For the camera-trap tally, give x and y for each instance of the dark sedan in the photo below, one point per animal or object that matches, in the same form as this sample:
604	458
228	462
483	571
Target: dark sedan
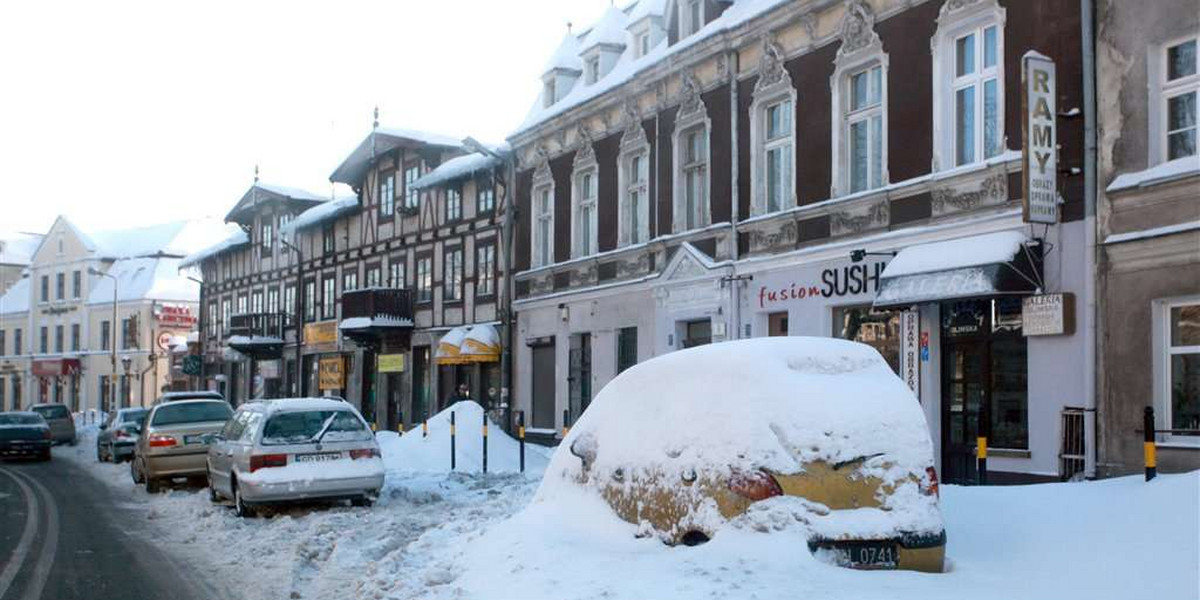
25	434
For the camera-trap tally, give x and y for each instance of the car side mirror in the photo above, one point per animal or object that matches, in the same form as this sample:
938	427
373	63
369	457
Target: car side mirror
584	447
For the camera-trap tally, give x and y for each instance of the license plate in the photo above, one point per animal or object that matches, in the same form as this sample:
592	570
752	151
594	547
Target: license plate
869	555
321	457
189	440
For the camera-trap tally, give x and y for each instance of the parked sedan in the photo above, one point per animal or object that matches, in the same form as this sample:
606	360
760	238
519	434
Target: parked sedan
293	450
62	424
174	441
119	434
24	434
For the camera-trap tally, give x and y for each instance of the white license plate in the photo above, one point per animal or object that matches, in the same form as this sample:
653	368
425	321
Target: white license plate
188	440
322	457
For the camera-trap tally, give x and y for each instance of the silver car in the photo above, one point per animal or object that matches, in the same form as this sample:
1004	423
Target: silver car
62	424
119	434
174	441
293	450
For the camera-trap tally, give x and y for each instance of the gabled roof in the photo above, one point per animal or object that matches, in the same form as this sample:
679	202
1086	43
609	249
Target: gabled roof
609	31
178	238
236	239
384	139
263	193
18	248
459	168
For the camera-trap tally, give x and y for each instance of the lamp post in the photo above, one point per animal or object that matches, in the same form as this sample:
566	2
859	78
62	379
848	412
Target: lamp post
299	314
506	236
112	380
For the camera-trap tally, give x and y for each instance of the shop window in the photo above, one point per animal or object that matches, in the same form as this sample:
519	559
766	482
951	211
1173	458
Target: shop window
777	324
879	329
696	333
627	351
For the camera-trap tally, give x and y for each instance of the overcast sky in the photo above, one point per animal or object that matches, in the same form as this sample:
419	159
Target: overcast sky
122	113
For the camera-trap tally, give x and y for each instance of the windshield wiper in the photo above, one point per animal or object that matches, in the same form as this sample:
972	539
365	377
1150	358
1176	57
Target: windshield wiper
324	429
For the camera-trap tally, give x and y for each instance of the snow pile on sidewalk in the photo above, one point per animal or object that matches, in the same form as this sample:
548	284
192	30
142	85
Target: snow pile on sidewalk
415	452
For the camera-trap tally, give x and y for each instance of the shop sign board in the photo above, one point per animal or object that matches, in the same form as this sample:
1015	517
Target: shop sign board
1039	171
321	333
910	350
174	315
391	363
331	373
1048	314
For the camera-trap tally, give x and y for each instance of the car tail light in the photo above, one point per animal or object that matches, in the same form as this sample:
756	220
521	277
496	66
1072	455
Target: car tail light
364	453
121	433
263	461
930	484
758	485
46	435
162	441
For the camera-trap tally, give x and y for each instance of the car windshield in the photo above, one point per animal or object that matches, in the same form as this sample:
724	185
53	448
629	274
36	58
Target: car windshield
52	412
307	426
12	419
191	412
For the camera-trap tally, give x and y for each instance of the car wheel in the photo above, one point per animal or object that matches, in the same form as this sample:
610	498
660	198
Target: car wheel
153	486
100	453
134	472
240	508
362	502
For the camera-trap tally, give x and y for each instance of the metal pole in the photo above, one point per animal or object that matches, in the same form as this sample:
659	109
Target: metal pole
1149	448
566	426
521	436
112	384
981	458
452	432
485	436
1092	334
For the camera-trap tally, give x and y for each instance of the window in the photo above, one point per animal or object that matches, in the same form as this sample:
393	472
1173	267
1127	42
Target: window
412	196
585	213
692	208
327	239
289	303
1179	370
864	129
548	92
211	325
485	270
284	219
593	69
543	232
45	288
485	197
76	285
425	279
387	194
879	329
396	273
129	333
453	277
635	215
1180	90
627	351
268	238
777	155
643	44
256	303
691	18
272	300
60	286
349	281
310	300
453	204
374	276
44	341
226	312
3	351
58	338
969	84
328	298
75	337
18	347
243	304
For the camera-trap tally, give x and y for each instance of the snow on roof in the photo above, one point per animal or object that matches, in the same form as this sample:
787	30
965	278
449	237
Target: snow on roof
291	192
798	400
321	213
303	404
1145	234
145	279
236	239
740	11
1168	171
385	139
178	238
610	30
456	168
16	299
566	56
972	251
18	248
647	8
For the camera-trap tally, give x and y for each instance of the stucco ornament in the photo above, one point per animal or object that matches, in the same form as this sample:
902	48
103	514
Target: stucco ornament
635	134
583	139
809	21
689	96
541	160
858	27
770	67
993	190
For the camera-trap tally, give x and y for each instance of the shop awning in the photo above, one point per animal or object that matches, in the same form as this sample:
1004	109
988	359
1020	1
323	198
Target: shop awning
469	344
995	264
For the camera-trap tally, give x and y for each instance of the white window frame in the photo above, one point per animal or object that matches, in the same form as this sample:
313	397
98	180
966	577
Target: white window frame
692	115
954	22
452	278
593	69
549	92
412	196
773	88
387	194
686	26
642	43
485	269
1161	92
543	215
584	234
634	144
846	66
1161	363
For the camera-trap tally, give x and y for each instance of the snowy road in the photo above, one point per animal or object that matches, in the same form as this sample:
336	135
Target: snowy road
62	538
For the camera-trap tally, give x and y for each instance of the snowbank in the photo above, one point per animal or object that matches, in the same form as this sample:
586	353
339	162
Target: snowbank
413	452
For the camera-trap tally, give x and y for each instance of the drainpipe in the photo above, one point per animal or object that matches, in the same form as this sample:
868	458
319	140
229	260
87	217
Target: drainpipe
735	286
506	329
1091	339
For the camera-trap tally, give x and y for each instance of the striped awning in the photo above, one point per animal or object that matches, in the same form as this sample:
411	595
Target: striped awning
469	344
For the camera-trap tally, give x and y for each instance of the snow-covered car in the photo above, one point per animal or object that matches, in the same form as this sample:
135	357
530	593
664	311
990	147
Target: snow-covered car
686	442
294	450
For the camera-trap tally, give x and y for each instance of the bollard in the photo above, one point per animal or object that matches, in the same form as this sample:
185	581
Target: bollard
521	436
485	442
374	427
425	428
1150	450
400	423
566	423
452	433
981	459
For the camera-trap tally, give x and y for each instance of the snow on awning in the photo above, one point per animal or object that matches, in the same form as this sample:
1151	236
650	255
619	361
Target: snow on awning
993	264
469	344
449	351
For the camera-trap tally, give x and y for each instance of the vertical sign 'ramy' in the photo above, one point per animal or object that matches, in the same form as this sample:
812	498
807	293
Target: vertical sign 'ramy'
1039	152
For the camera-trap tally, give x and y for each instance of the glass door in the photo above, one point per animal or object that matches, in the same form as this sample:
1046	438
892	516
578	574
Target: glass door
965	392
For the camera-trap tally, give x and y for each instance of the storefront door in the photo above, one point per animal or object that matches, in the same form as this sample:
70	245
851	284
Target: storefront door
964	398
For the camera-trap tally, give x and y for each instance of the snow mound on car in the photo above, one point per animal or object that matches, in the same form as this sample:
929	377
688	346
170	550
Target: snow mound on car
774	403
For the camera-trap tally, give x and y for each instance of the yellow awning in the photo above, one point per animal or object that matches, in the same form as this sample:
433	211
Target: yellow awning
481	344
448	350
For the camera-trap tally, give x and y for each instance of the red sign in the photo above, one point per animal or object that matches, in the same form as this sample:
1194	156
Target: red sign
54	367
174	315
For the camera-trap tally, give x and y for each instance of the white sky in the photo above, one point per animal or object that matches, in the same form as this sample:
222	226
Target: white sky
121	112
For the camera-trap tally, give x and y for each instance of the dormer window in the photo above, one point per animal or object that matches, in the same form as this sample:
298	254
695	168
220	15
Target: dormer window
691	17
548	92
593	69
643	44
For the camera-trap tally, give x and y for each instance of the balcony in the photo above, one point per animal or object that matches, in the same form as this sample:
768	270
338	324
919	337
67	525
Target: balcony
258	335
372	313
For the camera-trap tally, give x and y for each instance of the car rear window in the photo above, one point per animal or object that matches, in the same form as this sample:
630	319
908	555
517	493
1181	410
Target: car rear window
52	412
191	412
21	420
307	426
134	416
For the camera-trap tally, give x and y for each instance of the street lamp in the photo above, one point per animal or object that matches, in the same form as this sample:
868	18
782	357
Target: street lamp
112	381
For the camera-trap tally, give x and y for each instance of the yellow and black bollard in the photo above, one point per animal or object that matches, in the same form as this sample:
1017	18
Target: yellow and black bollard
1150	450
981	459
521	436
425	428
485	442
452	434
566	423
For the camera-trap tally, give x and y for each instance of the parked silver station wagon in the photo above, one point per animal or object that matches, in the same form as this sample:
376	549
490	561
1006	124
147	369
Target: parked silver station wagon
293	450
